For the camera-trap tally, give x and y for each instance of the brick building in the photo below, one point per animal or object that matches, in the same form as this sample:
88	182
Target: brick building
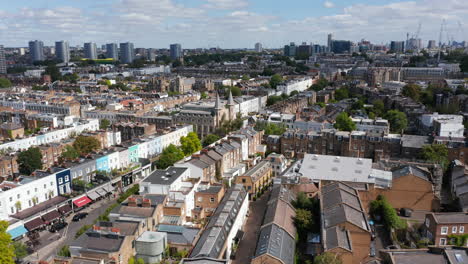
439	226
129	131
256	178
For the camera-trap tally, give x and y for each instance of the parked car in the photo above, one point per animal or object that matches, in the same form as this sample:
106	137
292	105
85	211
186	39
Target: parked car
79	216
58	226
406	212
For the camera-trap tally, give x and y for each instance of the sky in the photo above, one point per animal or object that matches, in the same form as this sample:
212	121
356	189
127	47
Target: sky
227	23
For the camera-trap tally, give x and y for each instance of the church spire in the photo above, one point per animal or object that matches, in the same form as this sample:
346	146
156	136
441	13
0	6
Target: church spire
218	104
230	100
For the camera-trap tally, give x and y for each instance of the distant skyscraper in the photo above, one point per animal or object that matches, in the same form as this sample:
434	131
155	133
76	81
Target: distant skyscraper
304	50
341	46
258	47
290	50
431	44
330	42
151	54
176	51
397	46
36	50
112	52
90	51
3	69
62	51
127	52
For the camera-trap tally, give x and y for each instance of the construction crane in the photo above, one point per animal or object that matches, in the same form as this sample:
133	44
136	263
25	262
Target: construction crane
440	39
418	31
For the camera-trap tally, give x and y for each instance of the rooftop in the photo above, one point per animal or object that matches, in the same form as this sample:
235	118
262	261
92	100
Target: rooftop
165	177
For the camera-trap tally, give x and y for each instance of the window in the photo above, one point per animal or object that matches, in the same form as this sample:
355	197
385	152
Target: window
28	192
211	200
11	199
443	241
60	180
427	222
35	189
444	230
51	183
66	178
461	230
454	229
243	181
45	186
18	196
200	199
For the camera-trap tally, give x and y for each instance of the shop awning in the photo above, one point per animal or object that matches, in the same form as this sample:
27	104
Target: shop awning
108	188
17	231
93	195
101	192
51	216
82	201
65	209
34	224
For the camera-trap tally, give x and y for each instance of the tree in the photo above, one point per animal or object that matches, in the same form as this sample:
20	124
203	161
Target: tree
236	91
71	77
69	153
378	107
53	71
190	143
412	91
464	64
342	93
86	144
293	93
210	139
7	250
140	261
275	80
104	124
203	95
64	251
5	83
398	121
327	258
21	250
436	153
344	122
30	160
303	220
270	128
320	84
169	156
273	99
302	202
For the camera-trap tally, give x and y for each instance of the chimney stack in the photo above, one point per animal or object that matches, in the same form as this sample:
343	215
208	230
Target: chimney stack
146	202
132	202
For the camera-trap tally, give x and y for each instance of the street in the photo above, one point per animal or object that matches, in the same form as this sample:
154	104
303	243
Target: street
247	245
51	243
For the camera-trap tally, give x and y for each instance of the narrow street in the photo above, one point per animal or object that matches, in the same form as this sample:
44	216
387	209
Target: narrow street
51	243
247	245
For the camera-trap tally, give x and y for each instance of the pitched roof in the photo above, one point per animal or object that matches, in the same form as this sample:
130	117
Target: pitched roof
451	218
276	242
336	237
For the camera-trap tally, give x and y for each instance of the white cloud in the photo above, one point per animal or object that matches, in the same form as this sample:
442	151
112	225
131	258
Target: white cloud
226	4
328	4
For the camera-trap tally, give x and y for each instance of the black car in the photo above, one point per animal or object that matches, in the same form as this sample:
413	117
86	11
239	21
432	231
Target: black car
79	216
57	227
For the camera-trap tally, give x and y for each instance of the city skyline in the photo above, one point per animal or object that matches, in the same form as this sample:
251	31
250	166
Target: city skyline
227	23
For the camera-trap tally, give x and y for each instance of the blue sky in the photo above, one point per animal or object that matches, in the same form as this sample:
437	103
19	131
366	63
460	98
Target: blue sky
227	23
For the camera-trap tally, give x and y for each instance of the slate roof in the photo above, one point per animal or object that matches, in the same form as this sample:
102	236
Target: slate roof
179	234
413	141
92	241
218	228
336	237
410	170
275	241
451	218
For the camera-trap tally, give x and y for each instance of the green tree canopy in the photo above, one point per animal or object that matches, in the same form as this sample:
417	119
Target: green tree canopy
190	143
21	250
7	250
378	107
273	99
320	84
86	144
464	64
169	156
210	139
437	153
104	124
30	160
303	220
53	71
236	91
4	83
69	153
382	207
398	121
327	258
270	128
412	91
342	93
344	122
275	80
